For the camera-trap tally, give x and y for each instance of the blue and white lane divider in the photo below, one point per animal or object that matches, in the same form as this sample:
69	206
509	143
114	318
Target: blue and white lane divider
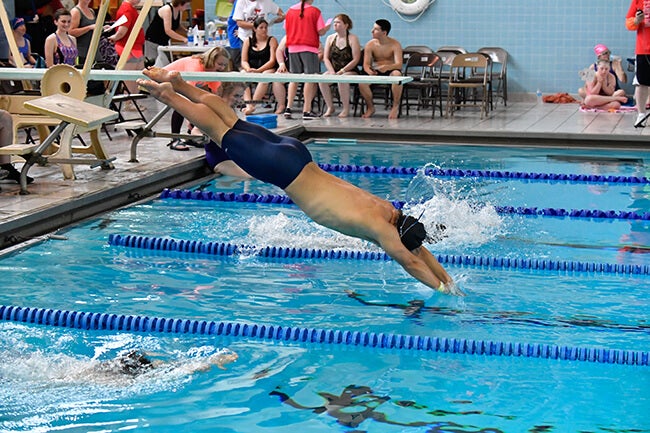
185	194
493	174
114	322
227	249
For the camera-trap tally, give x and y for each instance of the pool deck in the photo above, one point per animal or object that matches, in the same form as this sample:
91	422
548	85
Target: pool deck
54	201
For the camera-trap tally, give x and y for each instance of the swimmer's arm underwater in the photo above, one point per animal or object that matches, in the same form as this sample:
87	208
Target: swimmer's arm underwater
219	360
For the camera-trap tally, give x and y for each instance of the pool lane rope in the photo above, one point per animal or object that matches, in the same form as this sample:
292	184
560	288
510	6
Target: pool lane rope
227	249
186	194
493	174
114	322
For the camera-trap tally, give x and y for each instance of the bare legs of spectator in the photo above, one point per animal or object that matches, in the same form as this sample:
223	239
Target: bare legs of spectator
366	94
396	89
641	98
280	92
133	65
344	94
291	96
260	93
606	102
308	95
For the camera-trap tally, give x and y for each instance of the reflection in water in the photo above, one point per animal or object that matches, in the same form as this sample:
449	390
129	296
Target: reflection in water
356	404
414	309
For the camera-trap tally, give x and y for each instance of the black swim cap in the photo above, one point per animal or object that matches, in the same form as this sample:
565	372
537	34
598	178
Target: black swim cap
411	231
133	362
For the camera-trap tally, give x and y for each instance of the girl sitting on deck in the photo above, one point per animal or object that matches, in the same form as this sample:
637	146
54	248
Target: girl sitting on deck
601	91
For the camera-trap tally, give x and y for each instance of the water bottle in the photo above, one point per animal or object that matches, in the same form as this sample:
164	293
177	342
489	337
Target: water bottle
539	96
196	38
190	36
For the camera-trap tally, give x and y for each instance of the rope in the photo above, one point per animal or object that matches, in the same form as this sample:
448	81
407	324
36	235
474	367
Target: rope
114	322
507	210
454	172
226	249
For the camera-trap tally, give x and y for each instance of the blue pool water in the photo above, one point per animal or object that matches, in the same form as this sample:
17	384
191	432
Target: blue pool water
47	373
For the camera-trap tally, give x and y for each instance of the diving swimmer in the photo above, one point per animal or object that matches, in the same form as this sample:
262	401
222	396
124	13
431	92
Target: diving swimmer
286	162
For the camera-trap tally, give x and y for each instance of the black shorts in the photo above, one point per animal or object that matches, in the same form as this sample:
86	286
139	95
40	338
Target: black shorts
382	74
643	69
266	156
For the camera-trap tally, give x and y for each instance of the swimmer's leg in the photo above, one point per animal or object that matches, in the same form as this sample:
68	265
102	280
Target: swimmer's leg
199	114
194	94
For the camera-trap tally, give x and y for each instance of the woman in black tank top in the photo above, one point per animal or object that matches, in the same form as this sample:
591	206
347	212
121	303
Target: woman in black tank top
342	55
258	55
166	26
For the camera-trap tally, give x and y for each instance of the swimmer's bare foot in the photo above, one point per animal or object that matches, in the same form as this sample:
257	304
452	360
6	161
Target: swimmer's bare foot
344	113
250	109
394	113
369	113
161	75
280	110
329	112
161	91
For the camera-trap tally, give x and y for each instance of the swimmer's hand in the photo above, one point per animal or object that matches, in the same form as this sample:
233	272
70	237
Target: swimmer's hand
223	358
450	288
352	294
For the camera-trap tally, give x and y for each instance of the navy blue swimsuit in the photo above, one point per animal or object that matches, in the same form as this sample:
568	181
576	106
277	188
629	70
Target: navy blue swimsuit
259	152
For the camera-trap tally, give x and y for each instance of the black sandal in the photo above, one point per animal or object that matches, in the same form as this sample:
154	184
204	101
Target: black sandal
199	142
176	144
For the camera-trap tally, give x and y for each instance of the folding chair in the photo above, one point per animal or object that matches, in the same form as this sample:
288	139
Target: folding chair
425	89
469	83
499	58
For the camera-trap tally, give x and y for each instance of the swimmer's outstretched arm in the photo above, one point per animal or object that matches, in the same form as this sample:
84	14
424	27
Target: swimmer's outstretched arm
411	263
439	271
420	263
219	359
433	264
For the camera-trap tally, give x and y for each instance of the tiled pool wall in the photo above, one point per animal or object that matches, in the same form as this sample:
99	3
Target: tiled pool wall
549	41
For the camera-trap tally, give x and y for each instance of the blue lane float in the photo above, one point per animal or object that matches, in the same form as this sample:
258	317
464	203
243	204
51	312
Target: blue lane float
227	249
462	346
503	210
492	174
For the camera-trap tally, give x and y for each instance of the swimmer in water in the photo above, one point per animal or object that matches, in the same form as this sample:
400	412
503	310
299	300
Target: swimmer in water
286	162
134	363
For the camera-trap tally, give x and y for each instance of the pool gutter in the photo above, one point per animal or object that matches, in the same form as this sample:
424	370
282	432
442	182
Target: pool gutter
46	220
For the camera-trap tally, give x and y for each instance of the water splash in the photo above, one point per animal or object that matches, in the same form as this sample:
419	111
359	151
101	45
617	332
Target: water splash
297	231
469	222
453	203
